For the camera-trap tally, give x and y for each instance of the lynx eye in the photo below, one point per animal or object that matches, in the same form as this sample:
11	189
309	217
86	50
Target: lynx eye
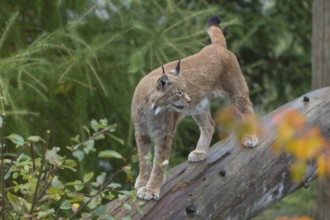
179	93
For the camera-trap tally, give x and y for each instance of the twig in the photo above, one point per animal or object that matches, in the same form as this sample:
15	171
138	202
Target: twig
46	185
11	163
21	212
10	215
103	131
3	164
40	173
109	180
32	155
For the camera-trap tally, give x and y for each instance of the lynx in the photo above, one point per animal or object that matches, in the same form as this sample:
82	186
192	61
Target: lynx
162	98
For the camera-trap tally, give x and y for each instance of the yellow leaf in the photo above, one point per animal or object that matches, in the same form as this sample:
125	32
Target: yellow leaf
297	147
298	170
295	119
285	133
226	117
75	207
321	166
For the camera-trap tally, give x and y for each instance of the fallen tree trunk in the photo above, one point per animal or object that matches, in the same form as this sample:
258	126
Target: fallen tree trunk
233	182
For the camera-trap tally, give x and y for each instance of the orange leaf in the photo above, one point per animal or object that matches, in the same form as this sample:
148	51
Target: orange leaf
321	166
226	117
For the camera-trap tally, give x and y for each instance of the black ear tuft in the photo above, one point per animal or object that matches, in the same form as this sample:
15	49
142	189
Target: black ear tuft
176	71
162	82
163	69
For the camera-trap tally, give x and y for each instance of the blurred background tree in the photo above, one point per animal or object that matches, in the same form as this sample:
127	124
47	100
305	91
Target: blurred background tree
321	78
63	63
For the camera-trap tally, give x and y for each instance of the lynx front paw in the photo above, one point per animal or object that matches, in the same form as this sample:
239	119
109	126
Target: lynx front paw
139	182
148	194
250	141
196	156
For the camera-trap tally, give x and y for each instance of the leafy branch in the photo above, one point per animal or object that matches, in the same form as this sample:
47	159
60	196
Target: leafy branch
31	181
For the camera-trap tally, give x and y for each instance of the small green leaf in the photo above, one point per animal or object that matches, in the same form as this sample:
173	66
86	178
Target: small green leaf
119	140
101	210
57	183
88	177
43	214
95	202
23	157
89	146
125	192
15	175
110	196
127	206
13	200
53	157
80	155
76	197
110	154
99	137
8	174
121	196
65	205
54	193
127	218
87	129
78	185
31	184
35	139
95	125
16	139
104	123
115	185
70	164
100	179
76	139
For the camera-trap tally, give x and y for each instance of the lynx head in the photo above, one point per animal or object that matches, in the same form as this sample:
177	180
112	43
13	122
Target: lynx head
170	92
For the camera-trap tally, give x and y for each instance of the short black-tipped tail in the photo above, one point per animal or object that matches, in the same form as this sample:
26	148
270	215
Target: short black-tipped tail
214	31
213	21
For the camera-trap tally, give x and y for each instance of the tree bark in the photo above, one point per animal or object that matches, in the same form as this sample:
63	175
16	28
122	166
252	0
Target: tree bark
321	44
233	182
321	78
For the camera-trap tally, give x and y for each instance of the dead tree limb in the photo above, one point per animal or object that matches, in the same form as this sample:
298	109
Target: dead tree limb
234	182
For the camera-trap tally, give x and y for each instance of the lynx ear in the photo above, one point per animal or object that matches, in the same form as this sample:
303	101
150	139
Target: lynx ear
176	71
162	82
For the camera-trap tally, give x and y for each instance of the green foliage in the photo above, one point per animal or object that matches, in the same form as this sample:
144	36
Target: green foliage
60	70
63	63
35	186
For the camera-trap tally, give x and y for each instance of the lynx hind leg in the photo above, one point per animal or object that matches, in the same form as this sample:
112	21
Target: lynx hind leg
206	127
250	141
237	91
243	104
143	146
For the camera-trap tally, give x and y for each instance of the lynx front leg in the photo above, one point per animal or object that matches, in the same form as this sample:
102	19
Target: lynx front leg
143	145
206	126
157	177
